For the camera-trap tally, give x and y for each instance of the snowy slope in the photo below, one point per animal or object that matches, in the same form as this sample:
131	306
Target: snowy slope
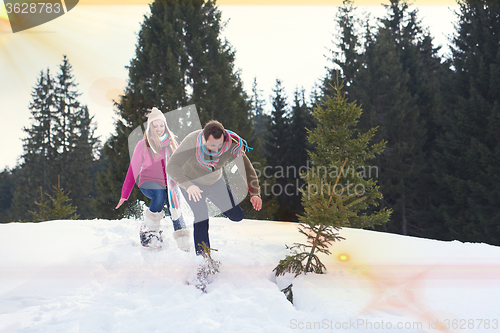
93	276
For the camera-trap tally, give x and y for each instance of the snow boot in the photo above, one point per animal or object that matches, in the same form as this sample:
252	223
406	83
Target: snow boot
182	238
150	233
200	233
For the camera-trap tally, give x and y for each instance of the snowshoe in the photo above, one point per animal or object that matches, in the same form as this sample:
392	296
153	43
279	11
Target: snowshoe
150	233
206	271
151	239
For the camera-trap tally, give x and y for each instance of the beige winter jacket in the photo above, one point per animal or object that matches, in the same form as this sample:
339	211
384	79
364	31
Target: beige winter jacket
184	168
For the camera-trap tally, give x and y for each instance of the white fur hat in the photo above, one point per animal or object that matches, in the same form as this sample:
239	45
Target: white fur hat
155	114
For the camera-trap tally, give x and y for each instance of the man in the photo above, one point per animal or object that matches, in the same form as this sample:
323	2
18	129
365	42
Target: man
196	166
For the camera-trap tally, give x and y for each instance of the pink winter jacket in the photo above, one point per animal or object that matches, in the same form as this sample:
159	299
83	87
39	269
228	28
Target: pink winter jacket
145	166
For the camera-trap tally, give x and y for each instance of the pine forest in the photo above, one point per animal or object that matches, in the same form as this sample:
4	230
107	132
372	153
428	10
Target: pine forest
399	138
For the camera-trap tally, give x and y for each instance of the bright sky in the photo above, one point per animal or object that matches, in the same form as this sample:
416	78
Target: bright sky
288	40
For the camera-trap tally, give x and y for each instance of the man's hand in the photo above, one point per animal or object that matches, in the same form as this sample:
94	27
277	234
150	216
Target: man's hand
194	192
122	200
256	202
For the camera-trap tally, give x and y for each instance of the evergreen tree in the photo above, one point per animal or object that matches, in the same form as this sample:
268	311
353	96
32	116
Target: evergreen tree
262	121
217	89
260	132
395	80
7	179
57	208
59	142
40	145
179	60
468	156
394	109
157	78
40	149
278	150
346	53
301	120
75	140
316	94
338	189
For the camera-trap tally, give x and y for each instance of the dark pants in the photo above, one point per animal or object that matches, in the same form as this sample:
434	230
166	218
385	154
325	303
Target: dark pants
221	196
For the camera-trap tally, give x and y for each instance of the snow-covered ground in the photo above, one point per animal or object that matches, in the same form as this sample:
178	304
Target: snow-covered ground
93	276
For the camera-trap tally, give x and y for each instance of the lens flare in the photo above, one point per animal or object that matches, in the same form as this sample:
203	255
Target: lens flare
106	90
4	20
343	257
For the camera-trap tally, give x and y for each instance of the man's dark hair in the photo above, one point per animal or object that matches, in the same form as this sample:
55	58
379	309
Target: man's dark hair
214	128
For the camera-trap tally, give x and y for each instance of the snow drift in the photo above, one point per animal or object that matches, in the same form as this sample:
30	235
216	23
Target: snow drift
93	276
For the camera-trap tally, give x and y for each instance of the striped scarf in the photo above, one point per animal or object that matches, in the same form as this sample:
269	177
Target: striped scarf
239	149
167	143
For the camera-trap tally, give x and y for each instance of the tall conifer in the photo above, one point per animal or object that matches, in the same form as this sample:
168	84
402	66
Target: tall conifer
180	59
395	81
278	150
76	141
469	153
60	142
297	160
39	148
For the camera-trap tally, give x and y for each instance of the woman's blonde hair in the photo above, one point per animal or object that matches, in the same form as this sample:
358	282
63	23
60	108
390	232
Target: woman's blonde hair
151	135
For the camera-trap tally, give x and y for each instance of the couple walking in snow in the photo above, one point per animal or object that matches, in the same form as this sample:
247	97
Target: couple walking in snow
165	170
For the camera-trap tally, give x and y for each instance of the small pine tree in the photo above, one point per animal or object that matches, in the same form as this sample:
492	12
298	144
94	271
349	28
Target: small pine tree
42	214
338	190
207	270
60	210
59	207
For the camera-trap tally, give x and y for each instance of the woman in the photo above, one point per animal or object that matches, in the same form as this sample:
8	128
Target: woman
147	166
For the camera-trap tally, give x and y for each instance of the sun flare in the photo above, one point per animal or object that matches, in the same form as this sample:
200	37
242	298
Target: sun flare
4	19
343	257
